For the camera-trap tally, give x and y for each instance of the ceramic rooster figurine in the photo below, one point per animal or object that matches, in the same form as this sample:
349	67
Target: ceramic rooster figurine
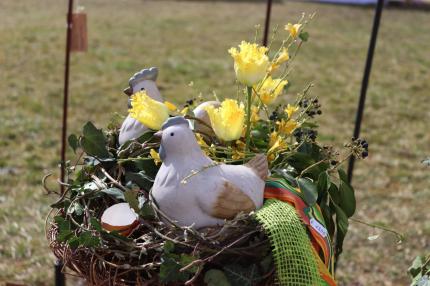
193	190
142	80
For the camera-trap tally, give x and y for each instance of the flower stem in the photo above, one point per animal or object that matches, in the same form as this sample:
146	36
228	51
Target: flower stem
248	117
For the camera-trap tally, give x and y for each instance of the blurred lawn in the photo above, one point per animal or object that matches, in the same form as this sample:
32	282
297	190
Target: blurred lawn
188	41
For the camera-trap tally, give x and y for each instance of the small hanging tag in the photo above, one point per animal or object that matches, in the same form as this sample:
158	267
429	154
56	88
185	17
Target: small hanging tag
79	41
318	227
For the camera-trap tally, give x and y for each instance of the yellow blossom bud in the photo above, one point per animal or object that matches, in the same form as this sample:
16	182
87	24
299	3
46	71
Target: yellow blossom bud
287	127
290	110
270	89
293	29
170	106
148	111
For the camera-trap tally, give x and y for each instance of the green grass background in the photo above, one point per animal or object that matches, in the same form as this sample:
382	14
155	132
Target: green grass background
188	41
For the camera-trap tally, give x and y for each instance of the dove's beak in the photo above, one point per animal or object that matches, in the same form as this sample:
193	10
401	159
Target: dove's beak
158	134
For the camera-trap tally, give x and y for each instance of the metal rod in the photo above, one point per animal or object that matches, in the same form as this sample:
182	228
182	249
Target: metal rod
365	82
267	22
66	93
59	275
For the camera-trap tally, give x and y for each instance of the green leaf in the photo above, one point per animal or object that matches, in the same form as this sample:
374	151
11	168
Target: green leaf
93	141
215	277
244	276
130	197
146	211
96	224
168	246
334	193
73	142
309	190
76	208
323	183
169	269
342	228
416	266
304	36
186	259
88	240
347	196
141	179
114	193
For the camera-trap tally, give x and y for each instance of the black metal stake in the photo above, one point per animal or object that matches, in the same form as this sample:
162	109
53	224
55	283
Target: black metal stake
267	22
59	275
365	82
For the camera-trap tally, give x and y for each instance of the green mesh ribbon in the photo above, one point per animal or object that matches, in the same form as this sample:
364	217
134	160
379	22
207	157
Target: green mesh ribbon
292	252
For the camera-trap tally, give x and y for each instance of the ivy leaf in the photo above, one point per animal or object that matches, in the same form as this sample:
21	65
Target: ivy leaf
169	269
114	193
342	228
323	183
93	141
141	179
347	196
215	277
130	197
88	240
73	142
309	190
244	276
304	36
76	208
64	230
96	224
416	266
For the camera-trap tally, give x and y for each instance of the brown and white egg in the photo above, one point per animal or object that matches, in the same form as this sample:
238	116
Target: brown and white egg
121	218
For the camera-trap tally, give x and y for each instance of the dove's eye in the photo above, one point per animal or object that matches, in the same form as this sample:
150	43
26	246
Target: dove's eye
142	88
172	134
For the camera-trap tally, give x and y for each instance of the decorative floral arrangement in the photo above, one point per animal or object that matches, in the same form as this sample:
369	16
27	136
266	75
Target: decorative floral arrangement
109	225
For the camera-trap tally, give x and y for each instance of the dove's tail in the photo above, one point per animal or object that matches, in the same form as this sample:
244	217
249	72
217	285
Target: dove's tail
259	165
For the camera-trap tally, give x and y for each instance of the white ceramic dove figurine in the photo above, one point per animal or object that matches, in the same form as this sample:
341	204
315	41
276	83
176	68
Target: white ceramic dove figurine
215	192
142	80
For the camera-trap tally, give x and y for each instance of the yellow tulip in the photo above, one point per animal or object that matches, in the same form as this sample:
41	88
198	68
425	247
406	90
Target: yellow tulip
270	89
227	120
148	111
293	29
250	63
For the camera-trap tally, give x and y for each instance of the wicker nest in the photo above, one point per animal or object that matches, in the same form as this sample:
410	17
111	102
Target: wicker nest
137	261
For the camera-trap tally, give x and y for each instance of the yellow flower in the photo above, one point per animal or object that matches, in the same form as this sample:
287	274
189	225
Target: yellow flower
293	29
279	144
270	89
155	156
273	137
201	141
237	154
185	111
170	106
250	63
290	110
227	120
148	111
283	56
254	115
273	67
287	127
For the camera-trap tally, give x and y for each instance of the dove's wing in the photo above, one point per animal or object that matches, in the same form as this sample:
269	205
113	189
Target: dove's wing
230	201
259	165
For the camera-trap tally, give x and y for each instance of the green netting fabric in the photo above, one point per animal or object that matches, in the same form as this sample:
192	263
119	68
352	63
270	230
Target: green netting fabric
292	252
